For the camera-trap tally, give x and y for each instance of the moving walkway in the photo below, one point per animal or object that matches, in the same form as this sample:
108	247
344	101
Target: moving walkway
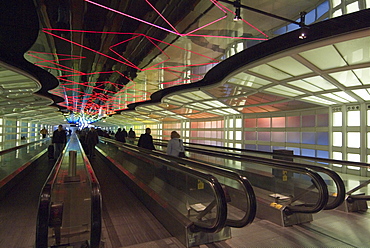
277	182
339	173
191	203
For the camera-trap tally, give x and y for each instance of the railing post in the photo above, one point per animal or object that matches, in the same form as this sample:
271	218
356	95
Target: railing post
72	168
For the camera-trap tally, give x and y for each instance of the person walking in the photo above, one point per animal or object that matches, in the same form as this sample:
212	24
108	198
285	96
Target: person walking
44	132
146	140
120	136
59	140
92	139
131	136
124	133
175	146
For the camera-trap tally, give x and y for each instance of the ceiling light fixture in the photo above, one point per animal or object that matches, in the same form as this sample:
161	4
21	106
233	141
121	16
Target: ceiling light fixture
239	6
304	28
237	11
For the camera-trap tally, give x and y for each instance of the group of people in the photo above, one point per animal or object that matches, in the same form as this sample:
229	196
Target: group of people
123	136
175	146
90	138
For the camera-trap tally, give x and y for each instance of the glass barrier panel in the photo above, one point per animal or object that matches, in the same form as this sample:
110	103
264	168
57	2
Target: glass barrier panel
188	194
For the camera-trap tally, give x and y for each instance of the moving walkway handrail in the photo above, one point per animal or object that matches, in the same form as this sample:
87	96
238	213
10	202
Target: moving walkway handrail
250	214
325	160
316	178
44	205
221	206
96	202
18	147
341	191
242	180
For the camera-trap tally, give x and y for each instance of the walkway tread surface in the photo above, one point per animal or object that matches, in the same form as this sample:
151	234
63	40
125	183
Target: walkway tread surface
18	209
126	221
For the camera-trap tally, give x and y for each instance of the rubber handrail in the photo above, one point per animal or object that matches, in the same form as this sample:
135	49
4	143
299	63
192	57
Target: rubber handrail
18	147
341	190
44	205
96	202
221	205
242	180
326	160
353	198
316	178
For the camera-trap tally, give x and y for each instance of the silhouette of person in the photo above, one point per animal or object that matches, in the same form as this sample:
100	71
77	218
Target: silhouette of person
146	140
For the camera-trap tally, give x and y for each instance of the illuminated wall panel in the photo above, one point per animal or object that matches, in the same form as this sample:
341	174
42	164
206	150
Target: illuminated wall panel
308	120
231	135
323	138
322	154
308	152
238	135
250	147
278	137
353	139
293	137
167	133
295	132
264	148
293	121
337	119
264	136
264	122
337	139
323	120
337	156
250	135
308	138
278	122
174	125
207	132
238	123
250	123
355	158
194	125
353	118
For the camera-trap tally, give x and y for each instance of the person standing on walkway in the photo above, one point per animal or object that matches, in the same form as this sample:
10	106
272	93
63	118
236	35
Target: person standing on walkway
92	139
175	146
59	140
131	136
146	140
120	136
124	133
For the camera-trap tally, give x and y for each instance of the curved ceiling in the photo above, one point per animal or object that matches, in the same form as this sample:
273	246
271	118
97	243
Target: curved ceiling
144	61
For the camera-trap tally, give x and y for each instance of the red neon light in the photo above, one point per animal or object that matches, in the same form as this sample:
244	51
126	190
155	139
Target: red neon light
221	7
162	16
130	63
87	48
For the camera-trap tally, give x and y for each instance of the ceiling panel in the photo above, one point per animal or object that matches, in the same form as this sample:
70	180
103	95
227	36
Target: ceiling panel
113	55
